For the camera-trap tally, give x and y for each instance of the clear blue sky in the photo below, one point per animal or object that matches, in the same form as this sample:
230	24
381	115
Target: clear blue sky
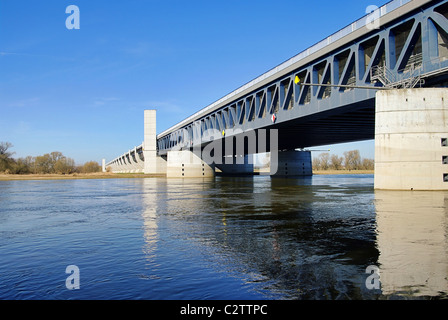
83	92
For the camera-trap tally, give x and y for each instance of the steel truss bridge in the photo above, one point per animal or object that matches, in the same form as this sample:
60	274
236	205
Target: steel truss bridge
326	94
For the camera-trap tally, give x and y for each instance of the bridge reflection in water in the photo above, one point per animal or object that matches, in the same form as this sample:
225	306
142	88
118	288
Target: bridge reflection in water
307	238
412	241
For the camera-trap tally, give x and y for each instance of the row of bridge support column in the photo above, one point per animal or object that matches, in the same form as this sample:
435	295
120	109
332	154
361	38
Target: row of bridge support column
189	164
186	164
130	162
411	147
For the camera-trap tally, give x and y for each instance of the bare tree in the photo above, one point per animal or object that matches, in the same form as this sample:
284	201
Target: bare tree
90	167
352	160
316	163
5	156
368	164
324	161
20	166
43	164
4	146
336	162
64	165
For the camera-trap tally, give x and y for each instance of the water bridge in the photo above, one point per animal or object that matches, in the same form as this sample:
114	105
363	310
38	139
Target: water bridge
382	77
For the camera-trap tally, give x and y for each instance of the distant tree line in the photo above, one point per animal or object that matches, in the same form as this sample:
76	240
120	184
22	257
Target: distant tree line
54	162
351	160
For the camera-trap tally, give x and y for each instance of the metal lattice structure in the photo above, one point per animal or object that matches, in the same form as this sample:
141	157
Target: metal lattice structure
313	99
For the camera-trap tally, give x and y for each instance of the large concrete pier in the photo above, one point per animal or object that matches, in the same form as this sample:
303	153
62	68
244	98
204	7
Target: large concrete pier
411	134
292	163
190	163
154	164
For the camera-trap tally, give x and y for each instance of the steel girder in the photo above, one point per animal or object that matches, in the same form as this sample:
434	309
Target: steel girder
319	103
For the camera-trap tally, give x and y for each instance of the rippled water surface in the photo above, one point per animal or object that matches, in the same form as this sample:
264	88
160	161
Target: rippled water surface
225	238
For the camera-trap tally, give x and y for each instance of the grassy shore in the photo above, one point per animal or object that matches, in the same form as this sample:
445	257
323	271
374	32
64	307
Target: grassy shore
98	175
110	175
326	172
318	172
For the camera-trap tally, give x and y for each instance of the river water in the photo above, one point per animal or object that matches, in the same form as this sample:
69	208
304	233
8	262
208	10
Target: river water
251	238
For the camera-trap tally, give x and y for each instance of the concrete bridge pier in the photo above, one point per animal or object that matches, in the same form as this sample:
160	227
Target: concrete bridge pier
138	161
154	164
411	139
237	165
132	164
187	164
291	163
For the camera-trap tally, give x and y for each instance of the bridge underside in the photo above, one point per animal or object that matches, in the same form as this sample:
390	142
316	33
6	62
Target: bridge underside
350	123
345	124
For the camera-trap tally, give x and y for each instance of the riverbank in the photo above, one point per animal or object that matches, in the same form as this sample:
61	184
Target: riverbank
264	171
326	172
110	175
97	175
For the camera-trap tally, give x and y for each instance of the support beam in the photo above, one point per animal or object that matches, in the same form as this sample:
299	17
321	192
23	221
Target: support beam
411	139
